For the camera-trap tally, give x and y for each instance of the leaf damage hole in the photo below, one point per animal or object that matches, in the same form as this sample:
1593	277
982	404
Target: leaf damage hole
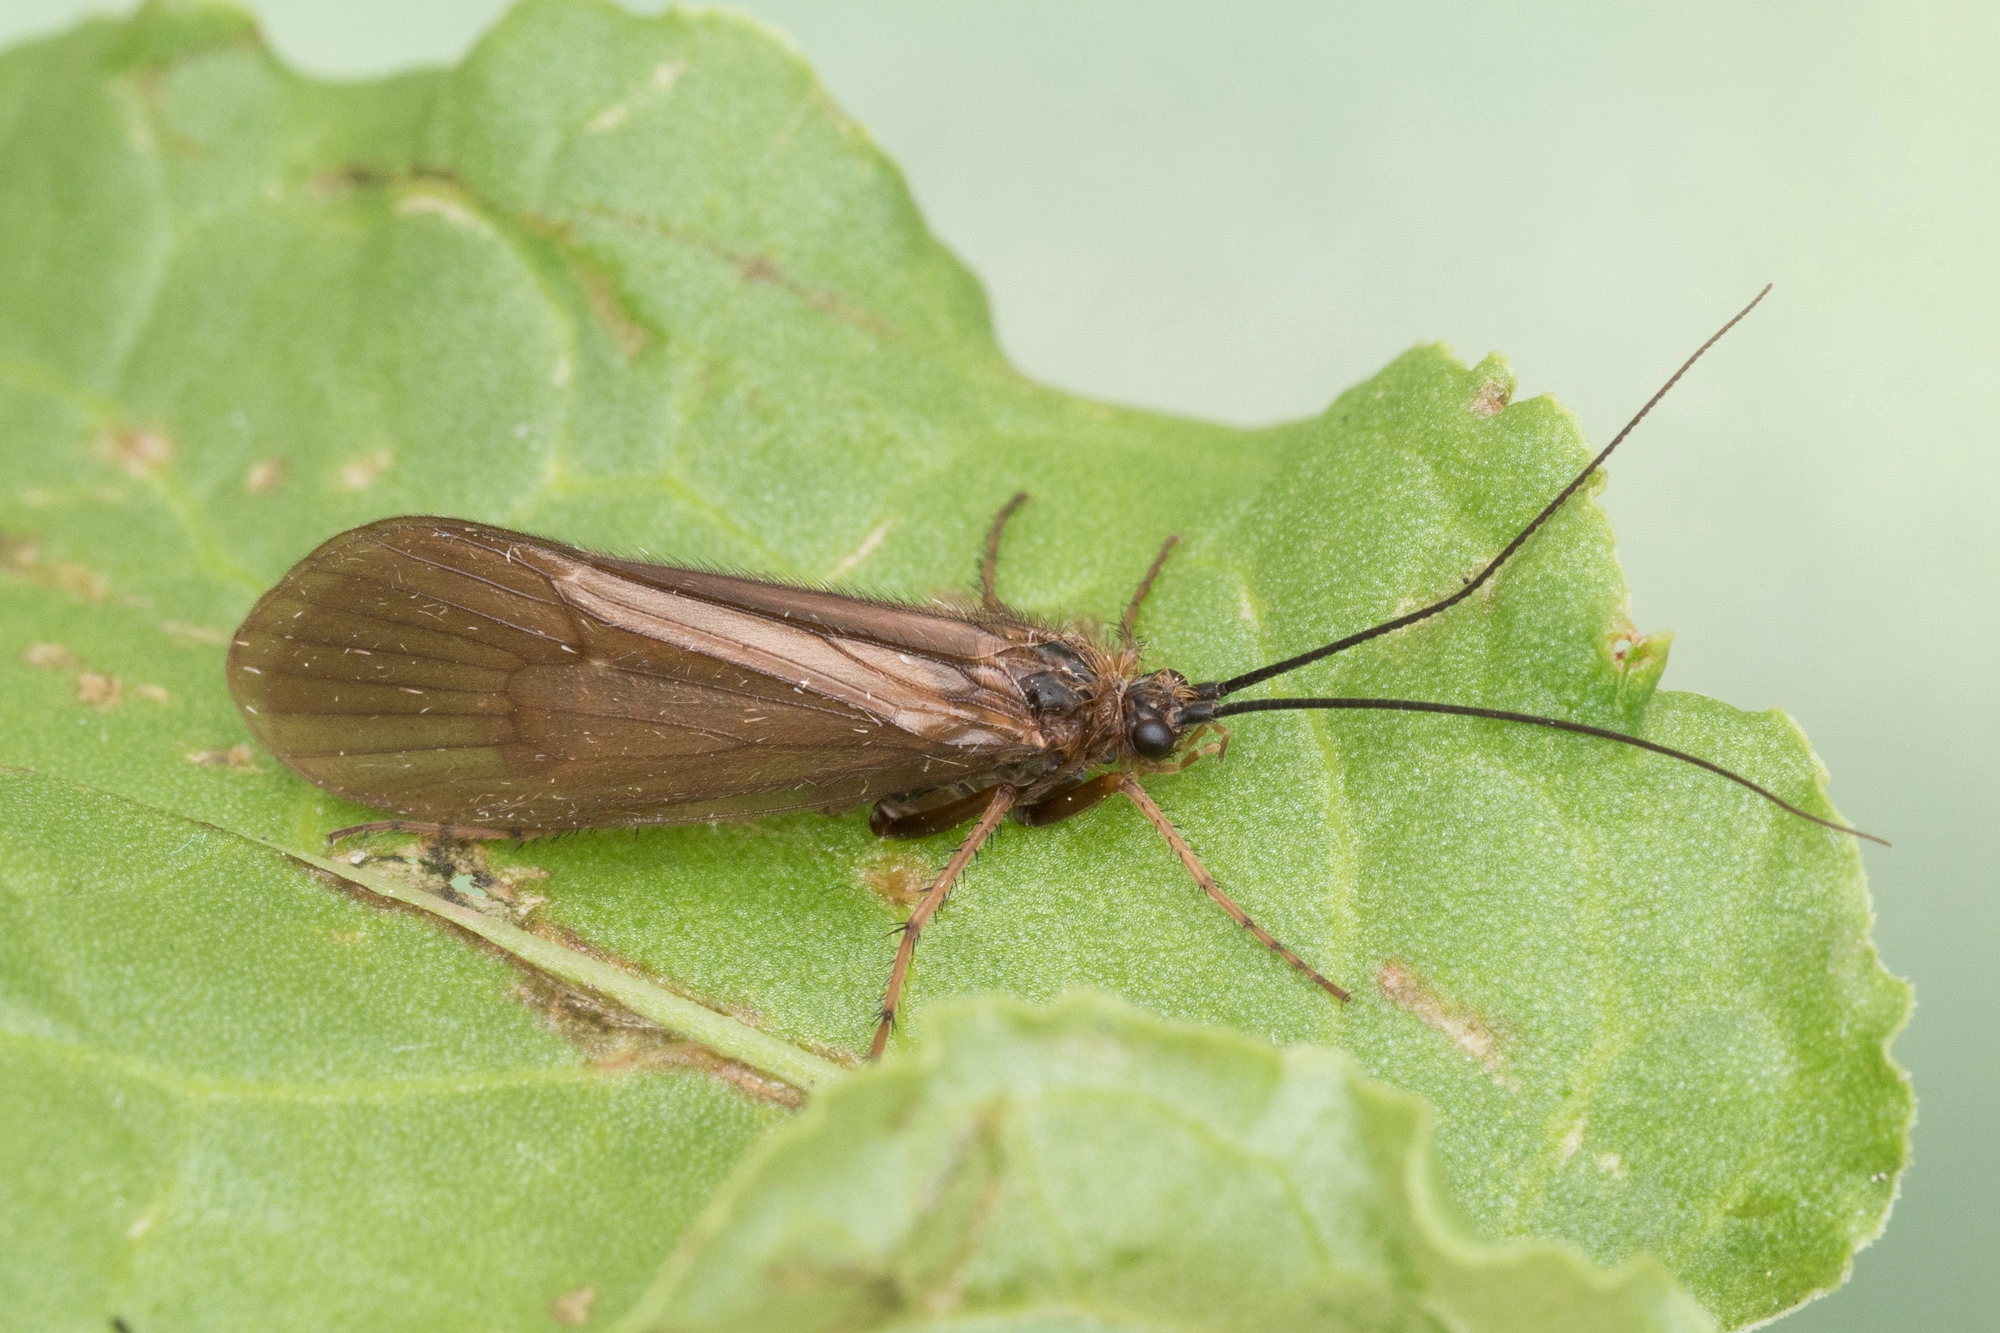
21	557
266	474
1458	1023
1492	398
361	473
1630	649
137	452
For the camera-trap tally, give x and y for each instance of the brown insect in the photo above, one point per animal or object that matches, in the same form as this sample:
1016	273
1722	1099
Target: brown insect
486	684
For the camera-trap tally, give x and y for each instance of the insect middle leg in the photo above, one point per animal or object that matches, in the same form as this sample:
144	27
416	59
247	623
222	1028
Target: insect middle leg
1002	800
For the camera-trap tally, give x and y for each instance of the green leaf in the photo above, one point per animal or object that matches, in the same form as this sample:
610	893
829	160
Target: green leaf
638	284
1086	1167
233	1091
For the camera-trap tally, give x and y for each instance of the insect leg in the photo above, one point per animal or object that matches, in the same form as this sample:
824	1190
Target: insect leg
885	822
996	810
1130	622
449	832
1158	819
1071	800
989	567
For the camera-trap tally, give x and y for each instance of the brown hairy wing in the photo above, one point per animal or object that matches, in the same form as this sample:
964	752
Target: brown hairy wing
458	673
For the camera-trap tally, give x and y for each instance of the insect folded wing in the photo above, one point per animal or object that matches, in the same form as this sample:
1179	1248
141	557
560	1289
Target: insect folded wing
453	672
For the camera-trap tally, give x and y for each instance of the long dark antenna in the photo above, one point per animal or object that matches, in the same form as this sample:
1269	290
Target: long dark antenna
1249	678
1204	712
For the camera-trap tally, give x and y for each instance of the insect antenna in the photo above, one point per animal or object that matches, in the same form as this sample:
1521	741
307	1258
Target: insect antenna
1220	689
1209	712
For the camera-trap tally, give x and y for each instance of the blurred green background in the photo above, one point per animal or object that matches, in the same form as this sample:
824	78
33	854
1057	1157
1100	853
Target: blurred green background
1235	212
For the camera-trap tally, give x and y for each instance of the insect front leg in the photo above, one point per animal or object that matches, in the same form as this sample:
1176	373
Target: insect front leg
989	567
996	810
1128	625
1129	785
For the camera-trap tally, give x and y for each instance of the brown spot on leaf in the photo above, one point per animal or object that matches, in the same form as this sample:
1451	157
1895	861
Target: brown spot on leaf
617	1041
237	757
102	692
896	876
152	694
51	657
614	1039
335	182
21	556
1462	1025
360	473
265	474
751	268
195	633
1491	399
573	1307
457	870
137	452
609	307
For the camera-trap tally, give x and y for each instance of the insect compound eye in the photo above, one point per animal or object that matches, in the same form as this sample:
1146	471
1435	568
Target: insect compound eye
1152	738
